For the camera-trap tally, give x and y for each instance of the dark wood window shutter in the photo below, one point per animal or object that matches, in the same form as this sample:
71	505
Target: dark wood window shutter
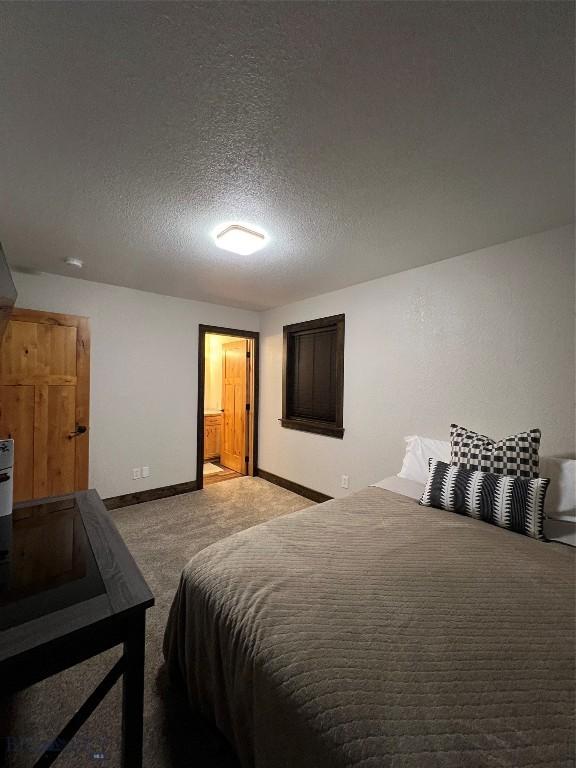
313	381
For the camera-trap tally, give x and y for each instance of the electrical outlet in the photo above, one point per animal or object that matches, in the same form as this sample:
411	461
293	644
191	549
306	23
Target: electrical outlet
145	471
345	481
136	473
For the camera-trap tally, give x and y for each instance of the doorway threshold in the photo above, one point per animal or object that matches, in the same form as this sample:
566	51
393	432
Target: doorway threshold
223	474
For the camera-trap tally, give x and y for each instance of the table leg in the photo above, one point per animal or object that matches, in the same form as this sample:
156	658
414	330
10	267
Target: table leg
133	694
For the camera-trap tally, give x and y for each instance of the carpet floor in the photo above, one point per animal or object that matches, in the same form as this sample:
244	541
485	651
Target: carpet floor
162	536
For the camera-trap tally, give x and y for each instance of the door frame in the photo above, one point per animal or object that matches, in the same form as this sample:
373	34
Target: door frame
254	406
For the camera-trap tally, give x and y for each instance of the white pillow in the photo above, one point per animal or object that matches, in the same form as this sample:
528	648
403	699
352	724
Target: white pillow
418	451
560	504
561	497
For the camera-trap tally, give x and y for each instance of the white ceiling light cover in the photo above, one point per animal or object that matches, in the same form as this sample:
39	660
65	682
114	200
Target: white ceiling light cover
238	238
72	261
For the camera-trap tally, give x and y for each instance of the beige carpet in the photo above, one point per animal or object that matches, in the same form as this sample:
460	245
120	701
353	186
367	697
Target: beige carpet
162	536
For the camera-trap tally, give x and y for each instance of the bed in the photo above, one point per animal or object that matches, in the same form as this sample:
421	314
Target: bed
370	631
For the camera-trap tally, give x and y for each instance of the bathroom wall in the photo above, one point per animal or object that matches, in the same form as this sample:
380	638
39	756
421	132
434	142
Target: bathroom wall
213	370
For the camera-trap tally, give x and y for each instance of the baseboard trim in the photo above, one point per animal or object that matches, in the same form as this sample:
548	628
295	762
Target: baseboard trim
153	494
301	490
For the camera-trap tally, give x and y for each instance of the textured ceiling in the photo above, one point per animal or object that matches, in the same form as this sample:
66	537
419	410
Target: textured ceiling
365	137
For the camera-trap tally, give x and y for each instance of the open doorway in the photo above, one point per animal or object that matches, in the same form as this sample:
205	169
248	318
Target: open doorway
227	436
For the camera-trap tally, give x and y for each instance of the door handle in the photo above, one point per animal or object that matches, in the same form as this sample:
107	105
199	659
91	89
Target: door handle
80	430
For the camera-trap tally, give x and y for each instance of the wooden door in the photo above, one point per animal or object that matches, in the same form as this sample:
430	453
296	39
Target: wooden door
234	380
44	401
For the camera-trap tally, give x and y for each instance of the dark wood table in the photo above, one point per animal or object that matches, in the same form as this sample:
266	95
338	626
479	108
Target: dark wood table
69	590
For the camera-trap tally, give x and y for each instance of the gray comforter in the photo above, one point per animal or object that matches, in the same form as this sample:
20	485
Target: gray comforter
370	631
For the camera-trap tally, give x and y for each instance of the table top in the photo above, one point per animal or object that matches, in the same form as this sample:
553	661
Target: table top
49	565
66	568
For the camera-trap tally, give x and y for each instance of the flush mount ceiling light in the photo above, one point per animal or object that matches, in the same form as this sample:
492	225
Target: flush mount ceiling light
239	238
73	262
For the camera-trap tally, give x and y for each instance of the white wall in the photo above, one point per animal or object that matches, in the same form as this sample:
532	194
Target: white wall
213	370
143	379
485	339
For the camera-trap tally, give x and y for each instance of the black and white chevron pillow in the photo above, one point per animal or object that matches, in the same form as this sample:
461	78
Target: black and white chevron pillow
515	503
515	455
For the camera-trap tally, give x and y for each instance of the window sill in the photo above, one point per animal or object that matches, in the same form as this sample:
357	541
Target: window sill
317	427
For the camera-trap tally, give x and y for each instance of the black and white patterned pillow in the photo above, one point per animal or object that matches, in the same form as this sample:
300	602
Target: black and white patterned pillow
515	455
510	502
